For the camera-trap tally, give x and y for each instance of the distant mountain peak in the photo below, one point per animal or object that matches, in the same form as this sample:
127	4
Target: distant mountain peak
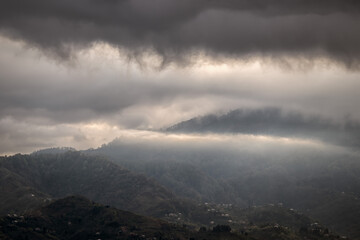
274	122
55	150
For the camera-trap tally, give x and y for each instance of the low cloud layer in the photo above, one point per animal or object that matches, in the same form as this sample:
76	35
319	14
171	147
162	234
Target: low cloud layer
104	88
179	30
78	73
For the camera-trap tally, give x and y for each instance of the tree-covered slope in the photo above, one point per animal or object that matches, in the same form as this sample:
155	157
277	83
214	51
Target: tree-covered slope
59	175
323	184
78	218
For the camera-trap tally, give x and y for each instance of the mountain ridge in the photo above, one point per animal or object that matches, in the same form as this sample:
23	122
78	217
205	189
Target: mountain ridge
276	122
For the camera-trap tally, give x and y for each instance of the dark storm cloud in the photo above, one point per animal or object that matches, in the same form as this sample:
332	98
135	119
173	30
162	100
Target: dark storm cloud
176	29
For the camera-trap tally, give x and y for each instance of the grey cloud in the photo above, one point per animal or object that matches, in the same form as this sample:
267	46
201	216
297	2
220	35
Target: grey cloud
36	89
50	93
79	99
176	29
25	137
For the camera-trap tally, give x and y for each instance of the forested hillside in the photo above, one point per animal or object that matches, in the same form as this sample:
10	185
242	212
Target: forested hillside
77	218
322	184
32	179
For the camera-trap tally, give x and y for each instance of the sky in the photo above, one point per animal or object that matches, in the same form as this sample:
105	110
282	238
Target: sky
81	73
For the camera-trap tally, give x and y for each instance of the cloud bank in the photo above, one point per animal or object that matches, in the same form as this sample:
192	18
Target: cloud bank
178	30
